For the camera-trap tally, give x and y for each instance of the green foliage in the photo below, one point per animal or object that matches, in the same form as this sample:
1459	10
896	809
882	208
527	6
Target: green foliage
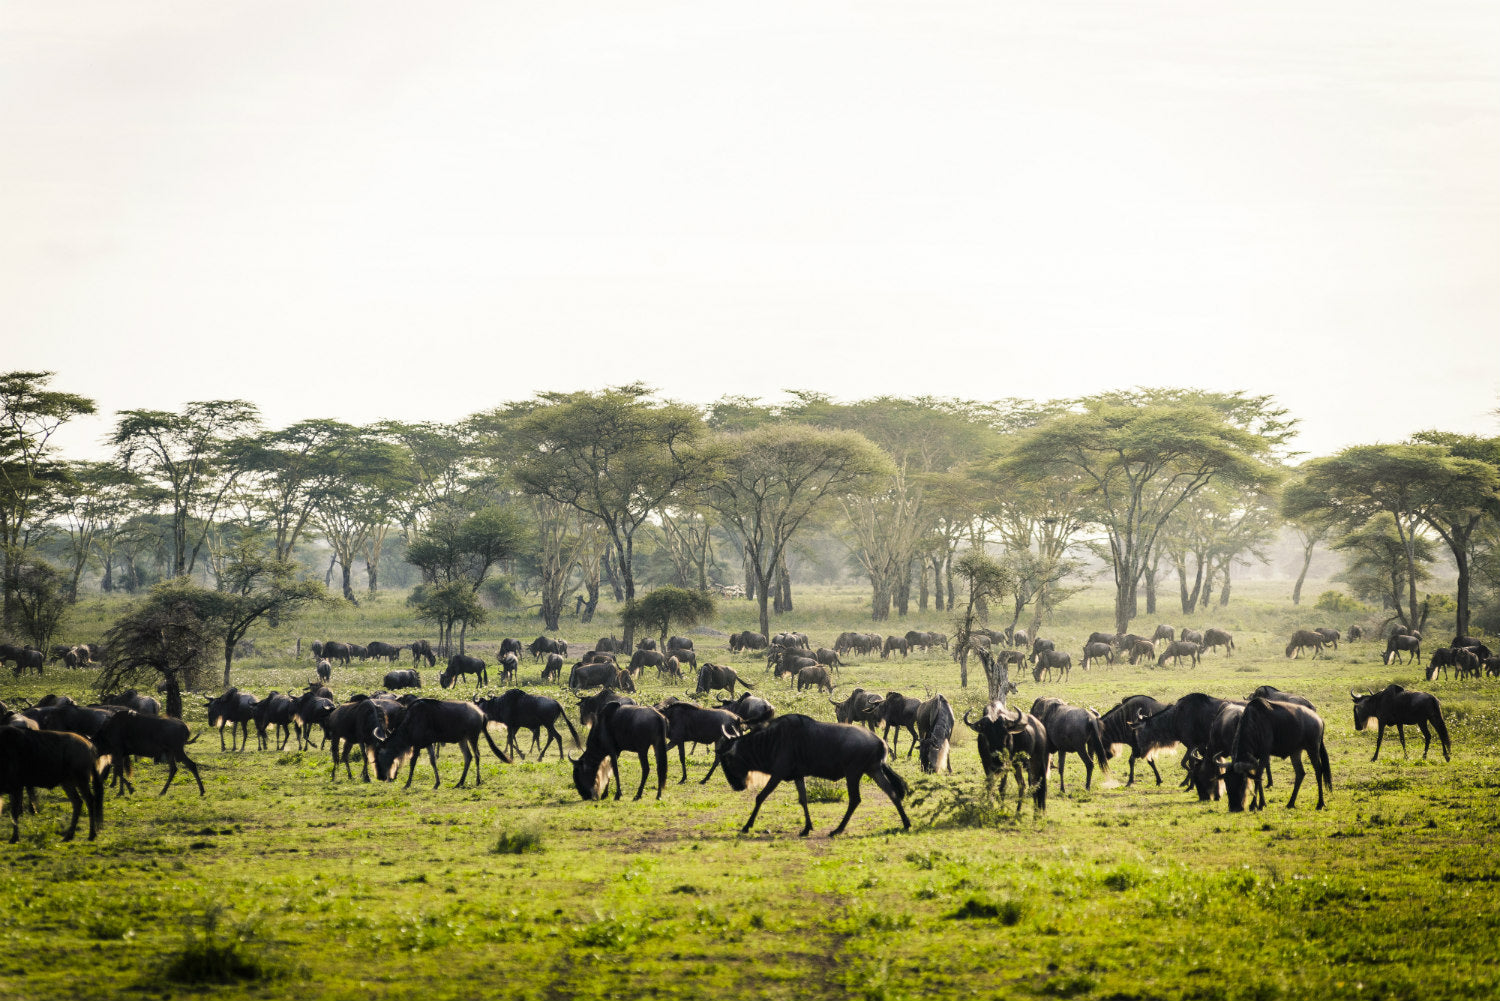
1340	604
218	950
40	601
519	842
660	608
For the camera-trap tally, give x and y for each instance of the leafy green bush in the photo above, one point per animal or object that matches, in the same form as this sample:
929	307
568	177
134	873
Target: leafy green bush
219	951
519	842
1340	603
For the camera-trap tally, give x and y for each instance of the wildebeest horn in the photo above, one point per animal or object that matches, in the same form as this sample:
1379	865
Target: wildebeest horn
1353	696
724	729
573	758
971	726
1223	760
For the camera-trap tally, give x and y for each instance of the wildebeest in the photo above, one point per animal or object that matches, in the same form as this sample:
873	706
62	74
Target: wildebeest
1179	649
815	677
367	722
1304	639
1270	729
461	664
383	651
621	728
603	673
128	735
51	759
131	699
275	710
1039	646
828	658
935	734
517	710
609	644
1213	638
1164	632
1398	707
1205	763
26	658
233	709
309	709
1094	651
754	710
324	670
1403	643
893	644
799	747
713	676
860	707
1048	661
642	659
510	666
1186	635
899	711
792	640
421	649
1071	729
552	670
1355	633
671	668
747	640
678	643
1330	636
359	652
1117	730
692	724
428	723
542	645
511	645
1136	648
1110	640
394	680
341	652
589	706
1184	722
1016	743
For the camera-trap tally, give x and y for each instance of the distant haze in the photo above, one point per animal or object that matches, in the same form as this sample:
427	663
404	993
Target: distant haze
365	210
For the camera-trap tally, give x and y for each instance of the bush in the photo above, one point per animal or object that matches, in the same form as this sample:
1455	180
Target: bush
518	842
217	951
1339	603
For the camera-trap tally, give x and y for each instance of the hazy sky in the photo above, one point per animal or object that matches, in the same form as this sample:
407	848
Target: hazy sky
366	210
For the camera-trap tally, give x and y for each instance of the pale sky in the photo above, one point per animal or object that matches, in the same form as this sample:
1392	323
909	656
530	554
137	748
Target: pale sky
365	210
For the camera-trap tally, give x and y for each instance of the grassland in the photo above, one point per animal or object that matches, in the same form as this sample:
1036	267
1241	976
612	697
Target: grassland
284	882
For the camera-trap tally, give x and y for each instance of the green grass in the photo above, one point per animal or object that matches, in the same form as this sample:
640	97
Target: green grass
281	879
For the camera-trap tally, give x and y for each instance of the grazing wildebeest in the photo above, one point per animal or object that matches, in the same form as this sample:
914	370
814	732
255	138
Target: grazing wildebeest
815	677
274	710
1330	636
1178	650
233	709
1213	638
747	640
1048	661
1355	633
799	747
1303	639
51	759
621	728
894	643
603	673
753	709
361	653
1038	647
367	722
542	645
1186	635
642	659
1117	731
128	735
1016	743
1071	729
517	710
461	664
860	707
713	676
317	650
1403	643
935	733
1164	632
428	723
1184	722
899	711
645	643
1094	651
1205	764
672	668
678	643
26	658
511	645
383	651
510	666
792	640
1268	730
423	649
324	670
589	706
691	724
1136	648
1440	660
394	680
1398	707
552	670
341	652
1110	640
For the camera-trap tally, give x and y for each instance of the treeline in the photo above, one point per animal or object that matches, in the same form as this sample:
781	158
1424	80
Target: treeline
561	494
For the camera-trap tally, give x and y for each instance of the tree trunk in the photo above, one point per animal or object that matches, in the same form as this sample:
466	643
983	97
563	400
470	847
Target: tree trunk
348	574
1122	606
922	586
948	576
1224	591
372	573
903	591
551	614
937	584
1307	555
592	586
763	600
174	695
1151	591
107	583
607	566
784	585
1461	557
228	658
463	631
880	601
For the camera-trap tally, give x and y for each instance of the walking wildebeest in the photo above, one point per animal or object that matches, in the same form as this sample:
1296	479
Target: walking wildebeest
1178	650
421	649
428	723
799	747
1270	729
1403	643
461	664
1398	707
128	735
860	707
1094	651
1071	729
1048	661
383	651
233	709
1213	638
691	724
899	711
1304	639
51	759
1117	730
274	710
713	676
815	677
1330	636
621	728
517	710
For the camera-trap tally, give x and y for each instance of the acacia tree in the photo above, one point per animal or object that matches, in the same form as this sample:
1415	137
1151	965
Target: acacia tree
616	456
774	478
1377	566
660	608
253	586
456	550
986	580
166	638
1310	532
195	457
93	497
1140	461
294	470
366	468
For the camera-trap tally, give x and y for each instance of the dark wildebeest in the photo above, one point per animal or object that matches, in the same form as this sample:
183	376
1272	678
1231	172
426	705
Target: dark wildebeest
899	711
747	640
428	723
589	706
1277	695
510	666
1304	639
672	668
792	640
367	722
461	664
51	759
1048	661
423	649
324	670
860	707
799	747
1330	636
394	680
1094	651
511	645
1269	729
26	658
1071	729
753	709
383	651
1356	633
133	700
609	644
1137	648
691	724
1016	743
621	728
1204	765
542	645
815	677
678	643
233	709
1038	647
359	652
645	643
642	659
1395	706
317	650
85	721
1184	722
341	652
894	643
552	670
935	733
128	735
516	710
603	673
1213	638
828	658
916	640
713	676
1118	731
1164	632
1397	645
1110	640
1178	650
274	710
308	709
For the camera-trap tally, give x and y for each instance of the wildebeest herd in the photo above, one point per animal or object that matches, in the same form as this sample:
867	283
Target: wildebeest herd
1227	744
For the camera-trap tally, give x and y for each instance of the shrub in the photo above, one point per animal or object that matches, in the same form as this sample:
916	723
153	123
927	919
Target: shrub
219	951
1339	602
519	842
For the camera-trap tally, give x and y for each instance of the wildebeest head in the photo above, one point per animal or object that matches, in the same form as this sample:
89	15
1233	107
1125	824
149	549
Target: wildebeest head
1362	710
591	778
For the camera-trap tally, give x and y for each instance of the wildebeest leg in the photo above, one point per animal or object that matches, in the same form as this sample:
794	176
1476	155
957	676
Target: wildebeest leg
853	783
463	746
713	766
16	795
913	731
1062	785
760	798
1426	737
171	774
645	774
244	735
1401	732
887	787
1152	763
682	757
192	767
73	797
614	761
552	735
1379	736
1088	770
800	783
221	735
411	772
1298	771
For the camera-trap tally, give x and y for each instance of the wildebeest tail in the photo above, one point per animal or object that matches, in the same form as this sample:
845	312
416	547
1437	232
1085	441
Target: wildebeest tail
494	747
744	682
894	778
1324	765
572	732
191	740
1096	744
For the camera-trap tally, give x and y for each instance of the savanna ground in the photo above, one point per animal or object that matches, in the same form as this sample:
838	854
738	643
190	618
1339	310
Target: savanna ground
281	881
